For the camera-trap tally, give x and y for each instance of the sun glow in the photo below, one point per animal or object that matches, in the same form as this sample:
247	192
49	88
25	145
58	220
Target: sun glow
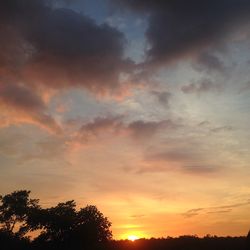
133	237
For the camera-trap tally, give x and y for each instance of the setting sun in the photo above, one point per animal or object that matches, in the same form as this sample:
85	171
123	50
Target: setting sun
133	237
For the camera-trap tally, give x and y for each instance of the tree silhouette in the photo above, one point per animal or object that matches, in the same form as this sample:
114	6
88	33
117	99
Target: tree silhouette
248	241
64	226
14	212
60	227
92	225
56	222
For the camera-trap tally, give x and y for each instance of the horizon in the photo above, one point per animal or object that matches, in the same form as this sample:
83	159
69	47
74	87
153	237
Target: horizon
140	108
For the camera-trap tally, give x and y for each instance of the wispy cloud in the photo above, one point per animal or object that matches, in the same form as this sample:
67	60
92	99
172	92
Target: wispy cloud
215	210
203	86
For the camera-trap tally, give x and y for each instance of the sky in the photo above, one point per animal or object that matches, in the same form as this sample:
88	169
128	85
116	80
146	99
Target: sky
140	107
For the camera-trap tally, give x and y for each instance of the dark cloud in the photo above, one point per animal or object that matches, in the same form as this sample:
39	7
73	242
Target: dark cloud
59	47
180	28
203	86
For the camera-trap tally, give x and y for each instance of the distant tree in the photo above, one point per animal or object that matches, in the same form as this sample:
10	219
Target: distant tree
14	212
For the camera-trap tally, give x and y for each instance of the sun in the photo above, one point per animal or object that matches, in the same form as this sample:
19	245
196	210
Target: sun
133	237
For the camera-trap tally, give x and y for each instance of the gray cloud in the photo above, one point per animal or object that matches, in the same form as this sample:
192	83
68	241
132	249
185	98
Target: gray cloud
163	97
179	28
209	62
200	169
138	130
48	149
222	129
246	87
145	129
188	160
172	155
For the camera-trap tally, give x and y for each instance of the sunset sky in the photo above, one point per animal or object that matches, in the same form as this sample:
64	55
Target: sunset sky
140	107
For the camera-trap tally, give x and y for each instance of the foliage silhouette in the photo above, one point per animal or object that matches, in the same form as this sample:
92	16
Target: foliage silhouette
15	210
59	227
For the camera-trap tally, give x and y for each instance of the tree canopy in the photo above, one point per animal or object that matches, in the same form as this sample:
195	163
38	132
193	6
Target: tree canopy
61	225
15	210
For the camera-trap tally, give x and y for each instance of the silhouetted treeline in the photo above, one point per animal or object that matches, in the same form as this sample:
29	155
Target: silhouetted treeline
63	227
183	243
180	243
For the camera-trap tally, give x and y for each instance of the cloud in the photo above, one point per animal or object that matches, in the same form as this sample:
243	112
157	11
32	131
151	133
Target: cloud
137	130
136	216
20	104
179	28
172	155
163	97
44	48
200	169
57	48
215	210
190	160
192	212
100	126
222	129
50	149
203	86
209	62
145	129
245	88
